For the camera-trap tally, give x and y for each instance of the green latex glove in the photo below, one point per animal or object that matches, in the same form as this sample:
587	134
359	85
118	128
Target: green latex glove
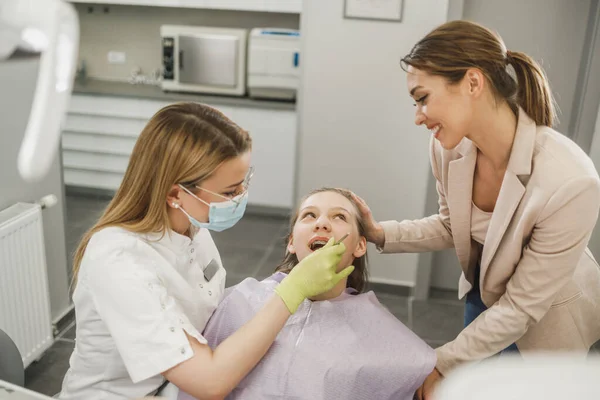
314	275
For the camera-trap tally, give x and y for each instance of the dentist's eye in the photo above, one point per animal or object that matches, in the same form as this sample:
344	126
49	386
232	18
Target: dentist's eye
230	194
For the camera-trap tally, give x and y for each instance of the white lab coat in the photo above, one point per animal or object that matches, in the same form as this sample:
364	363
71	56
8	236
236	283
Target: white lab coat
135	297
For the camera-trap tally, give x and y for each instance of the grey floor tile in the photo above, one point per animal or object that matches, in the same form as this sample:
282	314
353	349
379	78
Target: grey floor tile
437	321
84	211
445	295
46	375
243	261
69	334
273	259
82	214
252	231
397	305
233	279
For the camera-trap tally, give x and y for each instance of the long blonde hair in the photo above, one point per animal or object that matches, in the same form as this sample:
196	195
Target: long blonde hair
359	278
182	143
454	47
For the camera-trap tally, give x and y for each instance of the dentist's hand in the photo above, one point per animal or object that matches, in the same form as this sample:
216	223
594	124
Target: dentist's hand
315	274
373	229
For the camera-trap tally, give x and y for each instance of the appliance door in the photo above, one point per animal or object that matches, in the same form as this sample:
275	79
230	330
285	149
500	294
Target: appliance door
209	60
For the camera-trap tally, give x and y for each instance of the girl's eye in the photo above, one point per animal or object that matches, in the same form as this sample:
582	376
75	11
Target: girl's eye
340	216
309	214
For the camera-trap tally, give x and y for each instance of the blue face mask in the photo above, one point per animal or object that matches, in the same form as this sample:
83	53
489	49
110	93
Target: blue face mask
221	215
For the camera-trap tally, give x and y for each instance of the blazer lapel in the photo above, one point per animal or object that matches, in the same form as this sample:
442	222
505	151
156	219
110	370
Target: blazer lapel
512	189
510	195
460	191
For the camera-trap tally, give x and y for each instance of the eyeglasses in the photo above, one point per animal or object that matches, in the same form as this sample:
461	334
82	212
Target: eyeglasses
246	182
245	185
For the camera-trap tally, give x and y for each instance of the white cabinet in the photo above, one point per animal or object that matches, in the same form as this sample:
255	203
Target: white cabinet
100	132
282	6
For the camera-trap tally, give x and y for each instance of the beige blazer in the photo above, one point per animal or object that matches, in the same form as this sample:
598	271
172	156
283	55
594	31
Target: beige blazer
538	279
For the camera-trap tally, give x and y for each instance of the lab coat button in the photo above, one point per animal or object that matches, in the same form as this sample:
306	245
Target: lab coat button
182	350
209	293
172	329
201	286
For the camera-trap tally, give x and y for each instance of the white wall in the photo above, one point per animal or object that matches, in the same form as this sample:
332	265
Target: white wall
15	102
356	126
594	244
551	31
135	30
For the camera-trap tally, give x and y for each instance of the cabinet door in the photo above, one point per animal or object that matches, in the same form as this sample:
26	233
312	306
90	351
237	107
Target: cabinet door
100	132
273	154
98	137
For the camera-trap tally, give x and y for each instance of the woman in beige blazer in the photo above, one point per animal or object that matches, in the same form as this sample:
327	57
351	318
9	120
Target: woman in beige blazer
517	200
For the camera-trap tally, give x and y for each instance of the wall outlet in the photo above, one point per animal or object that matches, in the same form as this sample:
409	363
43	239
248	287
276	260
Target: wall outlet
116	57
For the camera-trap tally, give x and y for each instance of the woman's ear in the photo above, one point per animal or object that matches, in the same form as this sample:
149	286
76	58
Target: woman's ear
174	197
290	247
475	81
361	247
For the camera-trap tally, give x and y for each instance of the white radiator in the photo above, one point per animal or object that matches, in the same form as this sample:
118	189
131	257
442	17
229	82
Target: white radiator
24	295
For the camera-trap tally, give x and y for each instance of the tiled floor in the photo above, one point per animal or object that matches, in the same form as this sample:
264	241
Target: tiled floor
252	248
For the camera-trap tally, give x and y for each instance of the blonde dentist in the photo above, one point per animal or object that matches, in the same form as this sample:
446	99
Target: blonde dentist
148	275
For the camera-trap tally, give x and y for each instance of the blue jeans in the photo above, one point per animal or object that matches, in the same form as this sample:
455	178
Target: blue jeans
474	307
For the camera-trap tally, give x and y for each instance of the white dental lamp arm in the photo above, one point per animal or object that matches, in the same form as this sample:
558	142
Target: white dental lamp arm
49	28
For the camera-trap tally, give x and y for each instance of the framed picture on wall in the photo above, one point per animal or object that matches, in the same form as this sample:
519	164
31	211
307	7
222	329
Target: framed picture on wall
383	10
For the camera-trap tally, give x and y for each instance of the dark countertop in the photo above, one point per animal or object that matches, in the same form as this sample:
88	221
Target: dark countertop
99	87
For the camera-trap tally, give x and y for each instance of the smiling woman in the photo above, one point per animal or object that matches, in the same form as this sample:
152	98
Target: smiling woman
148	275
517	200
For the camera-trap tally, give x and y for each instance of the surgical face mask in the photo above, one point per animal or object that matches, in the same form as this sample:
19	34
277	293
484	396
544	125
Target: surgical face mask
221	215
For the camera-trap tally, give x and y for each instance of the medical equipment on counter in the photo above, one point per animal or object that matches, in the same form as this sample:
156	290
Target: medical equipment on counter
350	347
48	29
273	63
204	59
536	377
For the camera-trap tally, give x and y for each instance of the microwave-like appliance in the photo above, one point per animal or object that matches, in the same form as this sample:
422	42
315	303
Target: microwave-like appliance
204	59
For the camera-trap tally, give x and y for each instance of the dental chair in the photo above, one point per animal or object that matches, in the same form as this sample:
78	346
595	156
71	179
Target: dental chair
12	369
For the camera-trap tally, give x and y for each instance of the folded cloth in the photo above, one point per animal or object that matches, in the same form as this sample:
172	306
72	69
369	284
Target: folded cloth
350	347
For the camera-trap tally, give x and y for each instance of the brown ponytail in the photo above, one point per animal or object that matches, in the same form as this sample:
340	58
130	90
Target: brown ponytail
454	47
533	90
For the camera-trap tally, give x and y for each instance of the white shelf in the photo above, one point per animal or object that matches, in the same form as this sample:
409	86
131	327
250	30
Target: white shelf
280	6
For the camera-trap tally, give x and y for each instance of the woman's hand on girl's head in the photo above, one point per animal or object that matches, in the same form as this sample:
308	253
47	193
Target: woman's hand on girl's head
373	229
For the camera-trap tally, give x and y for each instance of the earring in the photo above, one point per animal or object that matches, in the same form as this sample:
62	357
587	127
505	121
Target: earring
175	205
